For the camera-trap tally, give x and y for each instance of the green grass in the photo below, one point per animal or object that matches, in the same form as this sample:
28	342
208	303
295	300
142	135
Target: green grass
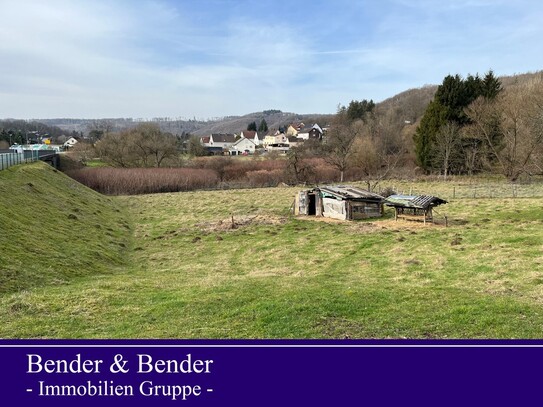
191	274
96	162
53	229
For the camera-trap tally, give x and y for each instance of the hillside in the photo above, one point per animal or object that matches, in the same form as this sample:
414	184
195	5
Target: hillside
408	106
54	229
235	264
230	124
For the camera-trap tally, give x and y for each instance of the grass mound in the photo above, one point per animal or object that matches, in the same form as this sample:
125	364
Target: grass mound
53	229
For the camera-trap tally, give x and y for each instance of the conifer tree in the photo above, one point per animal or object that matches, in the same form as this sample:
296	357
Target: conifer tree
263	127
432	121
451	99
491	86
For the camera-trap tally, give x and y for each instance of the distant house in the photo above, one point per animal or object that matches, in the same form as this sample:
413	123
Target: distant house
223	140
415	207
316	132
251	135
70	142
218	143
313	132
339	202
242	147
275	138
294	128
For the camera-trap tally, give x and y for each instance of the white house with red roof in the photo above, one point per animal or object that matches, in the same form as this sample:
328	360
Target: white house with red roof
251	135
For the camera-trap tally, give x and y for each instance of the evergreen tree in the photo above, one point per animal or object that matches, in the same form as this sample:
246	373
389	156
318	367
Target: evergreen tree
455	94
451	99
491	86
263	127
434	118
251	126
359	109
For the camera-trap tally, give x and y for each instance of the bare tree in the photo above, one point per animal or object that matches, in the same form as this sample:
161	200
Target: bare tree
473	150
156	145
142	146
447	144
512	126
374	160
298	168
337	149
115	149
99	129
83	152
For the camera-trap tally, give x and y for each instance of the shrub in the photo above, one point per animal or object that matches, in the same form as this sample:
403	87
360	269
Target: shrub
264	178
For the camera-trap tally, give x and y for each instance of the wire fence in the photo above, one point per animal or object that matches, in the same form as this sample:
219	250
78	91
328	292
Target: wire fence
476	190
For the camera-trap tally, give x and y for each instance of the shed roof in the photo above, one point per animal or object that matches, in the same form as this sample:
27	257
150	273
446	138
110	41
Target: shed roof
414	201
348	192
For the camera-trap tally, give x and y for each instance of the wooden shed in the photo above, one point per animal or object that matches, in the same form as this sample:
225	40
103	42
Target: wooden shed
339	202
417	207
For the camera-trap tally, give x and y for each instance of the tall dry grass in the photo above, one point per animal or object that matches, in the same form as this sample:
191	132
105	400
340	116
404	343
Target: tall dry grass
202	173
133	181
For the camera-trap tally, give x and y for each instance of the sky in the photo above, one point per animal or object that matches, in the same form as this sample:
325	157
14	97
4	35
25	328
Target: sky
206	59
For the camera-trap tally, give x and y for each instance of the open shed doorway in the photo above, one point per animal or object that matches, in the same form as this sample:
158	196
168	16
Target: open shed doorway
308	203
312	203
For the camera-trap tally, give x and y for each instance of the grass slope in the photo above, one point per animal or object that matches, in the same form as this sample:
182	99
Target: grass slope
54	229
196	274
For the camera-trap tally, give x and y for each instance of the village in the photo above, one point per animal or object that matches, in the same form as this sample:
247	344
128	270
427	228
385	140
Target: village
248	141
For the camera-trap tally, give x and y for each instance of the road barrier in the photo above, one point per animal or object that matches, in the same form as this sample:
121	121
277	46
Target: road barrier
9	159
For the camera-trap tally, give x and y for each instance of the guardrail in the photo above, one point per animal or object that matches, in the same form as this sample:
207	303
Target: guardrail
9	159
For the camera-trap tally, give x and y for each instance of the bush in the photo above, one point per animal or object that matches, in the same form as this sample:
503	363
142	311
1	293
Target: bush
264	178
200	173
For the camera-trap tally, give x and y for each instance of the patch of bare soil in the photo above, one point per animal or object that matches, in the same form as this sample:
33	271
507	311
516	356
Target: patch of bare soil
378	224
391	225
237	222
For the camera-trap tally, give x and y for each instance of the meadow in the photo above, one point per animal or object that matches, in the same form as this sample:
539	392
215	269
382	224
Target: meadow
237	264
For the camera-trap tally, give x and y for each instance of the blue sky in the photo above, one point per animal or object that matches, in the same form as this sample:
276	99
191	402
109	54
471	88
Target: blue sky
213	58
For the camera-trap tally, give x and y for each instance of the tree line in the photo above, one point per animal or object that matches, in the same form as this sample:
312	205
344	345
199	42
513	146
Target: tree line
464	126
360	141
474	125
471	125
23	132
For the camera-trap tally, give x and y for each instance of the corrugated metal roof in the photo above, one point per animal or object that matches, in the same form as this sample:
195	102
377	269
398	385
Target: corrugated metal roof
348	192
414	201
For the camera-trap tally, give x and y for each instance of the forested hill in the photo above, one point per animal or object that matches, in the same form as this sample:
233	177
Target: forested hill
231	124
405	107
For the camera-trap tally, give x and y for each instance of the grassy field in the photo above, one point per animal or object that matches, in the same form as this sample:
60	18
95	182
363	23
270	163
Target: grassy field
236	264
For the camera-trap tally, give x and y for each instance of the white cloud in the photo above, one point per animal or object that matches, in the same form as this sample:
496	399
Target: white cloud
159	58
